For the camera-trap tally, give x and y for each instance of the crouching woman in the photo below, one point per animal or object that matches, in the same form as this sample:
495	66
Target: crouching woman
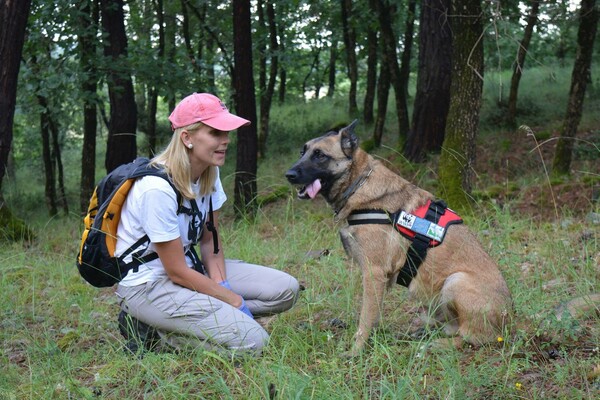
176	297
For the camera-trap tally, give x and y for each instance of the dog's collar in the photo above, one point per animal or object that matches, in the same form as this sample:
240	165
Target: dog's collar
353	188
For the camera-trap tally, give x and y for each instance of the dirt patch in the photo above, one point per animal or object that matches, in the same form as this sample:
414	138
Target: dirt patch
516	168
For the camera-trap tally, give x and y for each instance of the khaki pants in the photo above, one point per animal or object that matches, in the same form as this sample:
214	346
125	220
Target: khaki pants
184	317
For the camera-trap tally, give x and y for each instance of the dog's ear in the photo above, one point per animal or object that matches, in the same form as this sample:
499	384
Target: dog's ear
349	140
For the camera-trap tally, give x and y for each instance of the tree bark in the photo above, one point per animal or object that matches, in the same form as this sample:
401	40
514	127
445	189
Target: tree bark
588	25
121	147
245	105
266	98
432	98
154	86
351	63
520	62
331	69
455	168
13	22
49	176
383	92
371	84
88	28
386	14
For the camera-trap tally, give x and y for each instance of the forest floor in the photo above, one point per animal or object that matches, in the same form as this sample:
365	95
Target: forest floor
545	198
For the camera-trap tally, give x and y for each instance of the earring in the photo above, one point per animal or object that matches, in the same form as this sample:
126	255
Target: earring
190	146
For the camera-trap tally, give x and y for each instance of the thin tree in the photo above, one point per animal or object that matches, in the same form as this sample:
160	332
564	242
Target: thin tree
13	23
372	45
331	69
121	147
153	87
520	61
245	106
386	14
588	25
383	92
88	28
267	83
432	98
455	167
351	63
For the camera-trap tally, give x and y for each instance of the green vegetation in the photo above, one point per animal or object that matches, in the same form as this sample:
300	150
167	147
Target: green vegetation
59	336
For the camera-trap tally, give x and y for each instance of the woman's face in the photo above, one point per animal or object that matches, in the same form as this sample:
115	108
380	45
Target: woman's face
209	147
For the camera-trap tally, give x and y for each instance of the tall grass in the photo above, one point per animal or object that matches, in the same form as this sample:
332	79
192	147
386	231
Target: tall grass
59	336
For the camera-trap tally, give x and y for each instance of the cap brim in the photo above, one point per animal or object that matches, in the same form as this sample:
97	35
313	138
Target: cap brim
226	122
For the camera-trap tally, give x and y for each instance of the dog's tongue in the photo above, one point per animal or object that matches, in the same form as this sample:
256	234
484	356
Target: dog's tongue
313	188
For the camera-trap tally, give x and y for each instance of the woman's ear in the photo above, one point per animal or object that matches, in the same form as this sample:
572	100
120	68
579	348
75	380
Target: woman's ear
185	138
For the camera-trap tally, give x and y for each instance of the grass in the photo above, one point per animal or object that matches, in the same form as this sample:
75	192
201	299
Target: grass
59	336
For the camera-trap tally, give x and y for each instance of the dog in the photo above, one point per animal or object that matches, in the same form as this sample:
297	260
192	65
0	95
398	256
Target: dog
457	281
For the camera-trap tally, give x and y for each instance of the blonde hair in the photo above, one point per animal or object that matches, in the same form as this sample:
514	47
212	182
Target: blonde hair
174	158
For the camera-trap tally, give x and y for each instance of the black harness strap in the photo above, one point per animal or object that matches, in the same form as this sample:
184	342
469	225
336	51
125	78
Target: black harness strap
418	248
420	243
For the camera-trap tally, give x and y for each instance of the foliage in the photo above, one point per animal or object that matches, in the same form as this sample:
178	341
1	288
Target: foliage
59	336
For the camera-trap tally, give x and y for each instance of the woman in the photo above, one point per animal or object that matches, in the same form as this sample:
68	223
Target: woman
214	307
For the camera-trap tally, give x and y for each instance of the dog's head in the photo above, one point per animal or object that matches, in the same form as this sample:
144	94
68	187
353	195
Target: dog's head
323	161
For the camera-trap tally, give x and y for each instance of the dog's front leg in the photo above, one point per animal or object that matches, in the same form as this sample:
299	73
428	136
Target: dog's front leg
372	301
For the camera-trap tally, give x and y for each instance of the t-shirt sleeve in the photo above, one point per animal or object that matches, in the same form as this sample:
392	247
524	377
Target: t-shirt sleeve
218	197
158	205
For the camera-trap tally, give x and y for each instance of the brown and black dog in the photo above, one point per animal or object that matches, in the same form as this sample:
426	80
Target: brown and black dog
457	281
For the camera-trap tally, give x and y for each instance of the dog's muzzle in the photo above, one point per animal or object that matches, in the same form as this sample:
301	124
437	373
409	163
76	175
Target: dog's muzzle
305	192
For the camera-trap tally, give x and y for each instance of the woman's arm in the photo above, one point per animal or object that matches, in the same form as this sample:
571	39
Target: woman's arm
214	263
173	259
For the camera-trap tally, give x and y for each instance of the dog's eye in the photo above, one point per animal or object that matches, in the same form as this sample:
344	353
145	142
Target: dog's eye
303	151
319	155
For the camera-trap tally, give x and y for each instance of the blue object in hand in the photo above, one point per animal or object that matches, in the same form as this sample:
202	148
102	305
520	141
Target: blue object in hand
244	308
226	284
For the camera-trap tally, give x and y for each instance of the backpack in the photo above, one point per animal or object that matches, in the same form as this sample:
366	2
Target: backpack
96	261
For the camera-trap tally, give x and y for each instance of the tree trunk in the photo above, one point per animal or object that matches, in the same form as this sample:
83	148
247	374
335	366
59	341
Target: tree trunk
49	176
13	21
520	62
458	151
245	105
88	28
153	86
351	63
58	164
266	98
121	147
383	92
333	54
371	84
386	14
408	45
588	25
282	71
432	98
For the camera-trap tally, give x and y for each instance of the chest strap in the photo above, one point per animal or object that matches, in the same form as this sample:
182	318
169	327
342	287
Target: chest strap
426	227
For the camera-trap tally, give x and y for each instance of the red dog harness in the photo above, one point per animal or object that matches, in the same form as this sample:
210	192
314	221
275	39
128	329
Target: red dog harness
426	227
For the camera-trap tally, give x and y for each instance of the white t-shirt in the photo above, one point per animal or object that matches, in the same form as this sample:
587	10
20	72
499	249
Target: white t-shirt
151	209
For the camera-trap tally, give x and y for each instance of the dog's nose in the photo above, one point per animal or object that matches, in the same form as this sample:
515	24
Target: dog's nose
291	175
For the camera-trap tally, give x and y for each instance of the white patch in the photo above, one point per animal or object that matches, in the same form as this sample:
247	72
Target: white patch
406	220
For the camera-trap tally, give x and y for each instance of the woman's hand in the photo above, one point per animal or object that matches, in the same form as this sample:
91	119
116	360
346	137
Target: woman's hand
173	259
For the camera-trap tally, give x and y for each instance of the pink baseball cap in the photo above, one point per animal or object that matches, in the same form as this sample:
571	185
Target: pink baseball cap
205	108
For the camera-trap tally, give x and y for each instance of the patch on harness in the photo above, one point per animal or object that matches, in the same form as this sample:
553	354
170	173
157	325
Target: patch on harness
420	225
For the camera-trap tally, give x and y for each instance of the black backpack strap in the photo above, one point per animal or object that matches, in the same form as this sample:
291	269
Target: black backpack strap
136	258
210	225
196	261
